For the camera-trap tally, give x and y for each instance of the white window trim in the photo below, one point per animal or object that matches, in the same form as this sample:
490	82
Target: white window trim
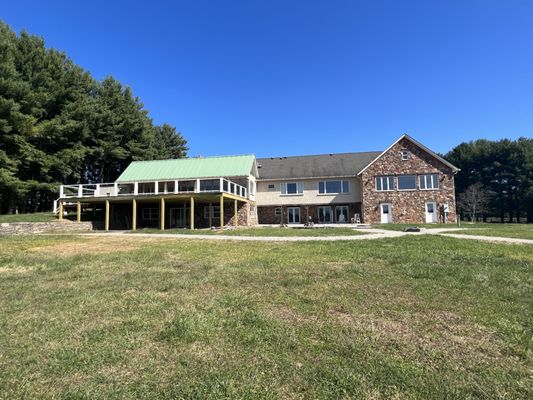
382	178
333	193
406	190
407	155
425	182
298	185
280	211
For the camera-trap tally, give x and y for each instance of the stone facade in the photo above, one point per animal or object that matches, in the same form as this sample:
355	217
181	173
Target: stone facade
20	228
408	206
267	214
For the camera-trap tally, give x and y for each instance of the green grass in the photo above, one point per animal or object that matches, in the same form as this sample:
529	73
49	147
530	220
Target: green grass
35	217
520	231
136	317
262	231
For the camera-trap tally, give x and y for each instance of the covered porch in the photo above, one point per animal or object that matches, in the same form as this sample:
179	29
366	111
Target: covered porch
191	211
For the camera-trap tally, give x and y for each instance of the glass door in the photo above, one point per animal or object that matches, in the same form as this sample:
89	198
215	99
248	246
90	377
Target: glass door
324	215
341	214
177	218
293	215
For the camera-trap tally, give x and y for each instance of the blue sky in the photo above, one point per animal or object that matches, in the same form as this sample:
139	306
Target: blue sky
294	77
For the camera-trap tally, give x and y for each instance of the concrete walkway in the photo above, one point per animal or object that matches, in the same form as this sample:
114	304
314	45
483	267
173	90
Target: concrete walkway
370	234
374	234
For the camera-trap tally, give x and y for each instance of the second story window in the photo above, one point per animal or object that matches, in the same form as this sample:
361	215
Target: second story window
293	188
333	187
405	154
271	187
429	182
406	182
384	183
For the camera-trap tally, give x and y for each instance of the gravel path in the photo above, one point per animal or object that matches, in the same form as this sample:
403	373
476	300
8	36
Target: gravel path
371	234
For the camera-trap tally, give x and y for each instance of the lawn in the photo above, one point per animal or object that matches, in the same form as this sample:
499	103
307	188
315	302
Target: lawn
521	231
137	317
35	217
262	231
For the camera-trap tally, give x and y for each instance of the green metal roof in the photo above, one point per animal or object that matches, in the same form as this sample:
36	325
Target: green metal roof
188	168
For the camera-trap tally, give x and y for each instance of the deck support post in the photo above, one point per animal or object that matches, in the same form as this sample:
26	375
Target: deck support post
222	211
235	215
106	215
162	214
134	215
192	213
60	213
210	215
78	212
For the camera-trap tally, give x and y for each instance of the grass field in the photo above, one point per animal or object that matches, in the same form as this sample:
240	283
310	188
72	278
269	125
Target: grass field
521	231
137	317
36	217
262	231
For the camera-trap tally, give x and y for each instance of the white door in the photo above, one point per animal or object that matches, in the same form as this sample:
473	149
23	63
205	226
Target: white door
386	213
293	215
431	212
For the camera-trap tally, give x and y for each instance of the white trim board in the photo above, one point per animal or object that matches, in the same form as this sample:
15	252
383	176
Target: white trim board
430	152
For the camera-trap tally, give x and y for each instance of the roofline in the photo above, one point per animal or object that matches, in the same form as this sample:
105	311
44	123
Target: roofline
416	143
307	177
316	155
180	179
193	158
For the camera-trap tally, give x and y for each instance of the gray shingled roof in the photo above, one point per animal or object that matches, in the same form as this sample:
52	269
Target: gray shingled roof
323	165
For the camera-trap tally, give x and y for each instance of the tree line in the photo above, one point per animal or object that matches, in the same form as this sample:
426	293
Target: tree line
496	179
60	125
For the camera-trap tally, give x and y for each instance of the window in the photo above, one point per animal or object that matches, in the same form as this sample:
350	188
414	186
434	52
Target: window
429	182
271	187
210	185
252	210
294	188
406	182
277	211
405	155
324	214
384	183
216	212
150	214
333	187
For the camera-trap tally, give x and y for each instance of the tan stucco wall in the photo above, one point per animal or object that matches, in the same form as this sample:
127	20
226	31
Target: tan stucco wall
310	195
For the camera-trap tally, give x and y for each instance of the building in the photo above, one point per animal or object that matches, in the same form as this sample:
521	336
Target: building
406	183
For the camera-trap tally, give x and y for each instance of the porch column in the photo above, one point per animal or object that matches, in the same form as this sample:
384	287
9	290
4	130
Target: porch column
222	212
162	214
106	215
134	215
235	215
192	212
78	212
210	215
60	213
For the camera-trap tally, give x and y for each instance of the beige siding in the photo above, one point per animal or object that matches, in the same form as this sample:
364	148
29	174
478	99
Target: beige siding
310	195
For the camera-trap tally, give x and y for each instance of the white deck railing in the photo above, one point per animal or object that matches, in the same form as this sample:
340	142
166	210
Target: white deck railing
216	185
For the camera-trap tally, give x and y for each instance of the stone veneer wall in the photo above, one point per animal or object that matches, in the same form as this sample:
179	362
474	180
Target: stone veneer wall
19	228
266	214
407	206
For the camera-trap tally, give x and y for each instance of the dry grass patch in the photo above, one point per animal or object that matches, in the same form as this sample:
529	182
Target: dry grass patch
81	246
